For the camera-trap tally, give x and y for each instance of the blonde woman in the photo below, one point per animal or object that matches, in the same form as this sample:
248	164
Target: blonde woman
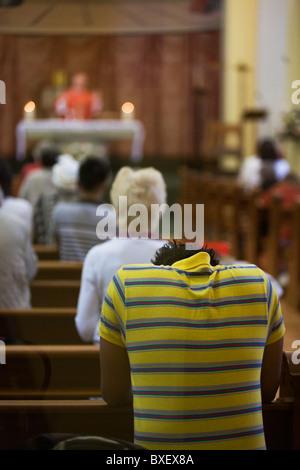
144	187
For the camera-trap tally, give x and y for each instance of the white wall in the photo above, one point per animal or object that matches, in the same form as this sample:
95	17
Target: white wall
272	63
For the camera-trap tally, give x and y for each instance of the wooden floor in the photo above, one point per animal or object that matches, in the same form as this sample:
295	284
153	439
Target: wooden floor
291	318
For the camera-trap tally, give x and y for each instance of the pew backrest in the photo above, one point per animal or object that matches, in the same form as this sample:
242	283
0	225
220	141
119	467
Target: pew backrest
39	326
54	293
50	372
55	269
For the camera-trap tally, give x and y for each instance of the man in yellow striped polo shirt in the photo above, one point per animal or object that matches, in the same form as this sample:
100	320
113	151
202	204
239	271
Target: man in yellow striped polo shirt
196	346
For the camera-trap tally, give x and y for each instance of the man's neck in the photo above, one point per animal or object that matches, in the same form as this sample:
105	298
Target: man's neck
89	196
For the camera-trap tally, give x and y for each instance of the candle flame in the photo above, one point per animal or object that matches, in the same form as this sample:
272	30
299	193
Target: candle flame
29	107
127	107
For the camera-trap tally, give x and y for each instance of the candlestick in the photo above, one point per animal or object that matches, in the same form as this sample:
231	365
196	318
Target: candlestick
30	110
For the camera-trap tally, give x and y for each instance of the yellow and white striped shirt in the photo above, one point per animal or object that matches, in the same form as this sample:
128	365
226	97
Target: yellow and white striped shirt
195	337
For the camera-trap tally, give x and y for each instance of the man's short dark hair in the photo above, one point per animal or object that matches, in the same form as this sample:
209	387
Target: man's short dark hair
93	172
49	156
175	251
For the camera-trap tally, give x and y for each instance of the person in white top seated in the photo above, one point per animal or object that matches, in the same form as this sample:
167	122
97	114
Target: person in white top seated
10	204
65	179
266	167
18	262
144	186
40	182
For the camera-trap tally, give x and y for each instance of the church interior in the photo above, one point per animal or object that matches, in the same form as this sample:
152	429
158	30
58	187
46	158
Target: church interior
190	88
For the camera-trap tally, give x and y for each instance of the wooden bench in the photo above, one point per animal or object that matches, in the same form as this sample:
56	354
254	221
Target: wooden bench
46	252
289	390
21	421
293	288
277	250
55	269
226	207
50	372
39	326
54	293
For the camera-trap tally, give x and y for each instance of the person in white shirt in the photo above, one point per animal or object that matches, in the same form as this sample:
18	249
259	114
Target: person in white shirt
144	186
65	179
40	182
18	262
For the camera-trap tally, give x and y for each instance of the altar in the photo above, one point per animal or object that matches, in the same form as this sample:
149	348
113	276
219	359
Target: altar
96	131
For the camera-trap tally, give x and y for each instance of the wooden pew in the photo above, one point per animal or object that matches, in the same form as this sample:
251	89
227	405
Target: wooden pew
293	288
289	390
290	375
56	269
255	242
39	326
278	425
226	207
50	372
277	250
21	421
229	218
51	293
46	252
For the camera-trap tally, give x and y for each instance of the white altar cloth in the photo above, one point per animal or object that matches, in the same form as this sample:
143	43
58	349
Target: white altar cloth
96	130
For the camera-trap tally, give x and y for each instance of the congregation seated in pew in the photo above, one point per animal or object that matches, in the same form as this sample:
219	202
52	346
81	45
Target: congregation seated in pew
63	288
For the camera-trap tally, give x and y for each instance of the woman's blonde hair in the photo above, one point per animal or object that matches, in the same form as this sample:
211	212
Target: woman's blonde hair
142	186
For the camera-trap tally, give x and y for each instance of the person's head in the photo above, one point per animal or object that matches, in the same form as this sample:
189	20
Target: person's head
42	145
174	251
267	150
144	186
5	178
93	177
79	81
65	173
49	155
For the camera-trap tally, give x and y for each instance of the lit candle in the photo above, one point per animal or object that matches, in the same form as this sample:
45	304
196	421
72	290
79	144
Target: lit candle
127	110
29	110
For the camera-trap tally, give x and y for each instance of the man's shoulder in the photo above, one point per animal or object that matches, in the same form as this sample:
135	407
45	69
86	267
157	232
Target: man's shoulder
146	270
12	221
241	269
67	206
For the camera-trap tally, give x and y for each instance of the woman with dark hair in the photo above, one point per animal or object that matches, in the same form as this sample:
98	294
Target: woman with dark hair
266	167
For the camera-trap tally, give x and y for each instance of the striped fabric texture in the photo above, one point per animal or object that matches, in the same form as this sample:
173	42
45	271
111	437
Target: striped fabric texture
195	336
74	225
